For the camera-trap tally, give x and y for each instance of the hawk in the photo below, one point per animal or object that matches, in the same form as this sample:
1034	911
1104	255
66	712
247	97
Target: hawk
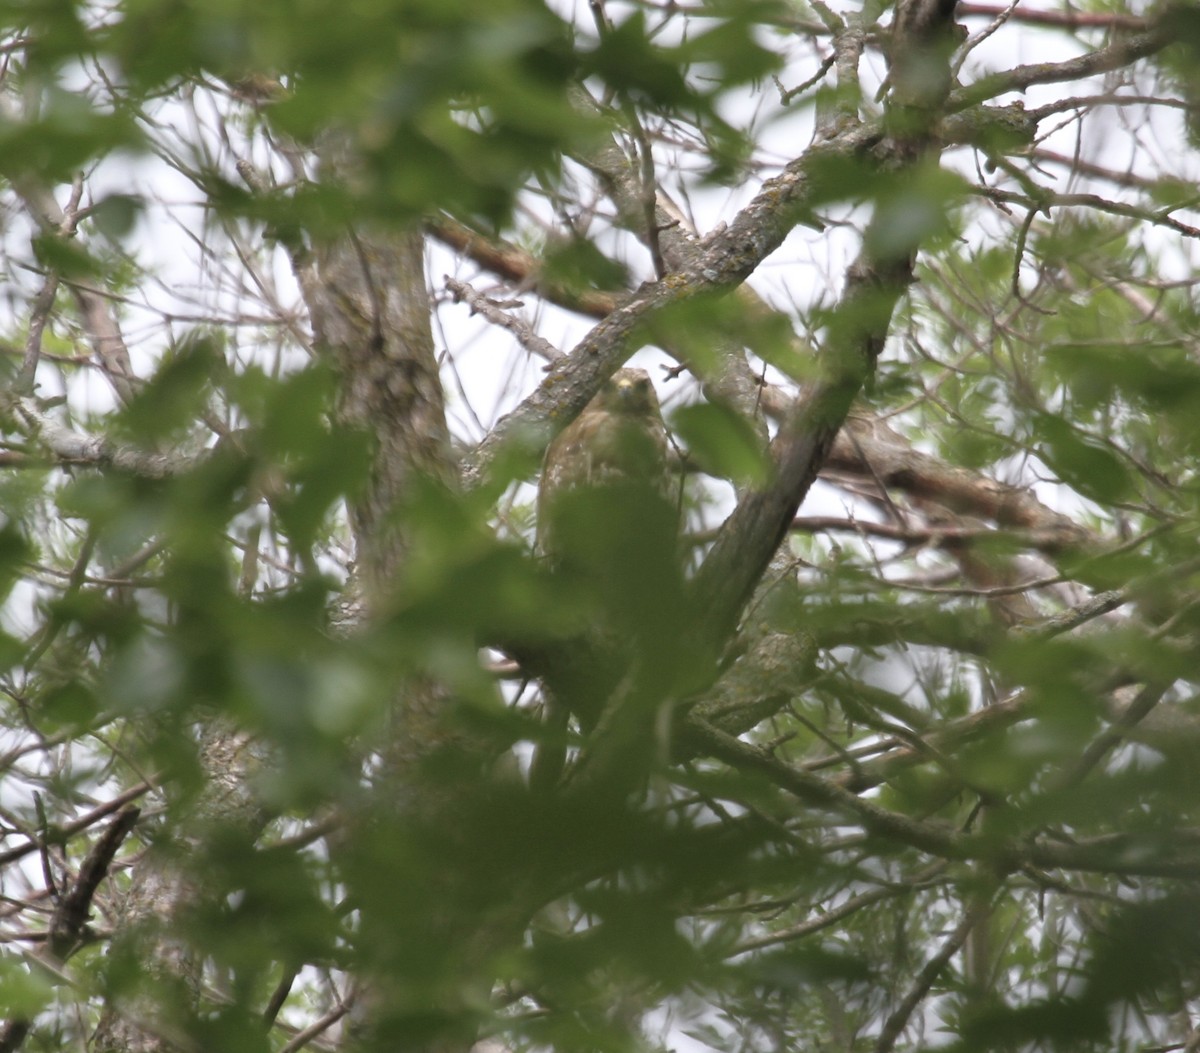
607	517
618	444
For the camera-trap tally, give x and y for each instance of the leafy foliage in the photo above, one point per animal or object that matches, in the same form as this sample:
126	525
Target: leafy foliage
937	786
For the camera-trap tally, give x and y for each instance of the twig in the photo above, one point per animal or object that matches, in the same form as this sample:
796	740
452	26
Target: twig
302	1038
787	94
1061	19
1112	736
71	915
494	313
1121	52
647	189
975	39
279	995
43	303
83	822
925	979
1073	617
835	914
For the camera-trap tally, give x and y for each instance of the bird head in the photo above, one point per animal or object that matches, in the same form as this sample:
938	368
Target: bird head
631	391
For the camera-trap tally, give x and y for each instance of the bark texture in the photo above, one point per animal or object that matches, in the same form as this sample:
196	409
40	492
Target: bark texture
370	313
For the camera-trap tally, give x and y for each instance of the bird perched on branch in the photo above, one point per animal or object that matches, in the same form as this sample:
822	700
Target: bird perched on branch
618	443
607	519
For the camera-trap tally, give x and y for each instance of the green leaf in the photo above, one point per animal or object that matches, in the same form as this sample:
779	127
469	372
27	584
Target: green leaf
1085	464
914	211
70	705
116	214
171	400
67	135
24	990
626	59
723	443
578	263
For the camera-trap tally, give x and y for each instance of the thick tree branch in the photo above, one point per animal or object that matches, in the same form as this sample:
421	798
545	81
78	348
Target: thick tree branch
750	536
869	447
370	314
728	257
516	265
925	533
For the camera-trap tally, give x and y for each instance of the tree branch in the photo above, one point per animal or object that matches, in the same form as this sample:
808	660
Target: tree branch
728	257
70	917
1123	52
